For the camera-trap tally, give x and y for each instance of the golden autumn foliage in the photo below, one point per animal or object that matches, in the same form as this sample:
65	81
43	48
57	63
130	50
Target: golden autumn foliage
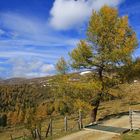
109	45
61	66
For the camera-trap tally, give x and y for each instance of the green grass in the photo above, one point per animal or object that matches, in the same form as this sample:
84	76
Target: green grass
131	136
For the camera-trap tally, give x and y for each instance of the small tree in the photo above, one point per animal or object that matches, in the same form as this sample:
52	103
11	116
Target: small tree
62	66
109	45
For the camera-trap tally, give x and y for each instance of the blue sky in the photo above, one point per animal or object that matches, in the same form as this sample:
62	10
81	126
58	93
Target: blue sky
35	33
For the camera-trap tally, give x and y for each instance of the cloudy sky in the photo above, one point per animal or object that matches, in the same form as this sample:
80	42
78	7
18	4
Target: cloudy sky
35	33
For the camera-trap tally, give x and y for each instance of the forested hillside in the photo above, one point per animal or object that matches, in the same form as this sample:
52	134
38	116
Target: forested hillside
47	96
41	97
56	95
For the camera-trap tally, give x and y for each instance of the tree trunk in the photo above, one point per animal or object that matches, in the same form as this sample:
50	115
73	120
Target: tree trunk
94	113
96	101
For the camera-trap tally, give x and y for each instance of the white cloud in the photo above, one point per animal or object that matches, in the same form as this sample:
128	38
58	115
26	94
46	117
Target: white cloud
40	41
47	67
30	68
2	69
26	30
66	14
20	23
14	54
26	37
2	32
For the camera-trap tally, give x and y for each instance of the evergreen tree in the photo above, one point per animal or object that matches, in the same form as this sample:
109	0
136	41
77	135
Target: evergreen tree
62	66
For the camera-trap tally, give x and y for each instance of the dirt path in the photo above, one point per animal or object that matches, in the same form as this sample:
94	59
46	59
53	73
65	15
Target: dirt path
94	135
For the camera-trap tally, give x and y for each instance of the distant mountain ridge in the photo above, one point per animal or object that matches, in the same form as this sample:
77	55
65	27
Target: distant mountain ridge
12	80
21	80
